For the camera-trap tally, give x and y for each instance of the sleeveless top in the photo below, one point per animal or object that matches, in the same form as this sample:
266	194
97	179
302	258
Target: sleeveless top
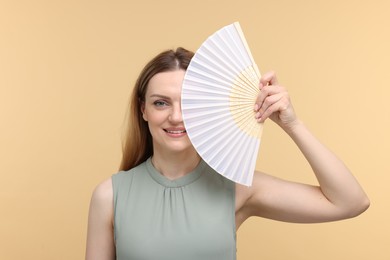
189	218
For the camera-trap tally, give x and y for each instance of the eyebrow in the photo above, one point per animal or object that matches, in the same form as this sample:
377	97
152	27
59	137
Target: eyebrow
159	96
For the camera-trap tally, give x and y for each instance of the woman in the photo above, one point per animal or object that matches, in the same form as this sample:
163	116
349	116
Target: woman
166	203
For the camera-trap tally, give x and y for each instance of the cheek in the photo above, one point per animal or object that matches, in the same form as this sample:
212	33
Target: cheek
149	114
153	117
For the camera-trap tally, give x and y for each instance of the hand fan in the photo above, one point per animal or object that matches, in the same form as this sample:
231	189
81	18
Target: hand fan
219	91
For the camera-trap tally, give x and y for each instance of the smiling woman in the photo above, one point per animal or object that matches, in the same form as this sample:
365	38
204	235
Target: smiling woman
138	143
161	109
167	203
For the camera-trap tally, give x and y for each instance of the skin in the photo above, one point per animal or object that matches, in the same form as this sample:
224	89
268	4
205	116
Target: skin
338	196
173	153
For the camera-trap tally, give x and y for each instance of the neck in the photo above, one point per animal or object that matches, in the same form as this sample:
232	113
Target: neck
175	165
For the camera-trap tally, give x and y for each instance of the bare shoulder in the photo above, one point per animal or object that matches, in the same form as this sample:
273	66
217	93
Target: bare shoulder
102	197
244	193
244	196
100	236
259	198
103	191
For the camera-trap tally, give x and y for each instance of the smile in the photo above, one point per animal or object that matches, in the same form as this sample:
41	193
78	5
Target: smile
175	131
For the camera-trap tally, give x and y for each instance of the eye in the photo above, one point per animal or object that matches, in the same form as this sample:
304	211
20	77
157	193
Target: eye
160	103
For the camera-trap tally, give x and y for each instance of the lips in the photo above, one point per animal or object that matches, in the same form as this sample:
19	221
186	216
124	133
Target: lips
175	131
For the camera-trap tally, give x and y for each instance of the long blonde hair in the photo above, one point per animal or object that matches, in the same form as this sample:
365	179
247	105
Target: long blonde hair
137	144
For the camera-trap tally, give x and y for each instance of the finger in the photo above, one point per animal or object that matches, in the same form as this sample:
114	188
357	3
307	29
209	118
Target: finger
267	91
277	109
267	113
274	108
268	102
268	78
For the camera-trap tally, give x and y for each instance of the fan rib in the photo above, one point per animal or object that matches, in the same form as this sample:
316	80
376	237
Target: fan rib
244	42
219	92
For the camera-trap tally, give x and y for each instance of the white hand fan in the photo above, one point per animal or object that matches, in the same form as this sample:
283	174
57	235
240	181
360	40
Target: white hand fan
218	95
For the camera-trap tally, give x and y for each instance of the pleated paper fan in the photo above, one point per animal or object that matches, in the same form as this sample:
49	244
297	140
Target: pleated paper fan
218	95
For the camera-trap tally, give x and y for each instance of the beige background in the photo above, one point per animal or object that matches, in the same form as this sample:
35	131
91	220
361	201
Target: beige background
66	72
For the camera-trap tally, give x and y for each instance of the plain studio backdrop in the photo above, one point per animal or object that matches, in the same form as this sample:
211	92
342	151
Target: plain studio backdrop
66	72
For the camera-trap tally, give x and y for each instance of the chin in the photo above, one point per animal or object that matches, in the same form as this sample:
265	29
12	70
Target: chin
166	143
178	147
182	148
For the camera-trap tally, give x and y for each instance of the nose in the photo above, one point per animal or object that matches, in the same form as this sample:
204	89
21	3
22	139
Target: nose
176	115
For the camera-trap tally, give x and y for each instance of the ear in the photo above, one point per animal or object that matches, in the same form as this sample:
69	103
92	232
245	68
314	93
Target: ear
143	111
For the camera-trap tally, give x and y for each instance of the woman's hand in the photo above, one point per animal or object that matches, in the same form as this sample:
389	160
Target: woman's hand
338	195
274	102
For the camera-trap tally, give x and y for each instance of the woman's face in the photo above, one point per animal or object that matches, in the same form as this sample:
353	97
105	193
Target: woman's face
162	111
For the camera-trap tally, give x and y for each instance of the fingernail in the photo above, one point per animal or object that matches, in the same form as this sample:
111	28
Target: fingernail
256	107
261	86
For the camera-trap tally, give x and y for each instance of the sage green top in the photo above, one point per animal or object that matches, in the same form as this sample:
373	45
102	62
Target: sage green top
189	218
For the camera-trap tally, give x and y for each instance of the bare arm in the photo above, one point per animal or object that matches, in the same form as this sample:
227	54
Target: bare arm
338	195
100	236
